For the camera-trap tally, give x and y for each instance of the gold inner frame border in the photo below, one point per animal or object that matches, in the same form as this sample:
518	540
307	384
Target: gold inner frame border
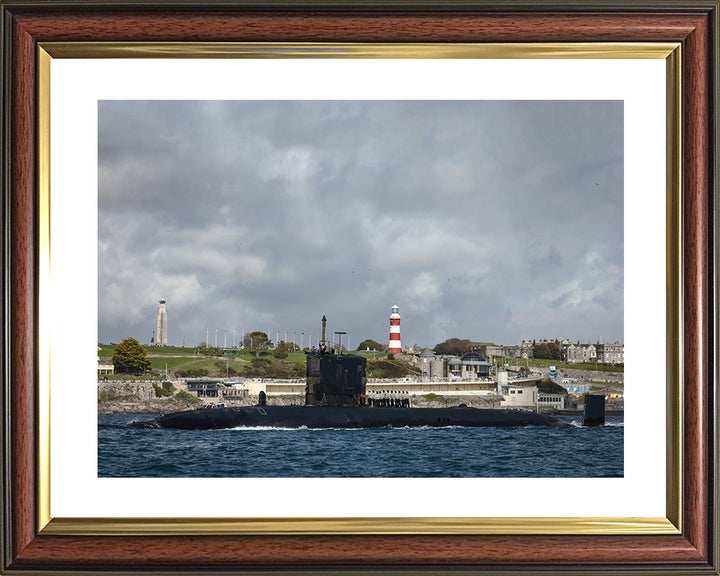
671	524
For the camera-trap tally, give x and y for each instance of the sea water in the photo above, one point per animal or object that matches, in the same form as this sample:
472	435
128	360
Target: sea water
524	452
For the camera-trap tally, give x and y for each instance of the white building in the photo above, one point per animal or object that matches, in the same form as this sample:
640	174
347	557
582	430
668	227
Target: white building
105	367
551	401
520	396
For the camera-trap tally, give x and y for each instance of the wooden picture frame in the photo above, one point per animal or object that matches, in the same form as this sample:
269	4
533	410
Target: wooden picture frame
28	547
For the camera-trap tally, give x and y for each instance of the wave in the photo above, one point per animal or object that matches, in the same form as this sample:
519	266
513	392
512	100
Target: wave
348	429
578	424
257	428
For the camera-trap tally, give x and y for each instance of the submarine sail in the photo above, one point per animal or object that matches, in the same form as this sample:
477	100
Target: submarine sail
336	380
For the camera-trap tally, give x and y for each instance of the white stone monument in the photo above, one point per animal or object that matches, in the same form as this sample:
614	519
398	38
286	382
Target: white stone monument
161	339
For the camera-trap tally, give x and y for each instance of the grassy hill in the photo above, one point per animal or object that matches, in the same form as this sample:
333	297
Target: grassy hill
559	364
212	362
194	362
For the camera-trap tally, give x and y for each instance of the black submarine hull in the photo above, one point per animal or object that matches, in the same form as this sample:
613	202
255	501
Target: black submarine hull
338	417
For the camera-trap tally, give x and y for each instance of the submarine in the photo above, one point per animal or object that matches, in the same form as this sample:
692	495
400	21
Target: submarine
335	398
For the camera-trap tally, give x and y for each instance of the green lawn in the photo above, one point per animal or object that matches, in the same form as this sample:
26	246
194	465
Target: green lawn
107	350
174	357
219	367
169	362
559	364
369	355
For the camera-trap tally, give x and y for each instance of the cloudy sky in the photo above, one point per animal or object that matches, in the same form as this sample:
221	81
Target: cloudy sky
488	220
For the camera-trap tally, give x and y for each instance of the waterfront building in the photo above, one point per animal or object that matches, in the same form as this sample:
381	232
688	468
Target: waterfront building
432	367
219	389
161	334
105	367
394	346
520	396
471	366
551	401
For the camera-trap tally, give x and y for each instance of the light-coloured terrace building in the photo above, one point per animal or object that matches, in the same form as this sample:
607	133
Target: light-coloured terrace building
611	353
579	353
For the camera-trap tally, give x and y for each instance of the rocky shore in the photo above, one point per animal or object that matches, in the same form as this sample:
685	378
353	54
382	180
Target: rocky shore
131	397
152	397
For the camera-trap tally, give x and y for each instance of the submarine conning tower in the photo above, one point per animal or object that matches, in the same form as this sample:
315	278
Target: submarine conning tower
334	379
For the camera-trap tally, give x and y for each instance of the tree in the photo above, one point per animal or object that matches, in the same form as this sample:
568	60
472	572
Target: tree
370	345
548	350
257	341
453	347
281	350
130	358
541	350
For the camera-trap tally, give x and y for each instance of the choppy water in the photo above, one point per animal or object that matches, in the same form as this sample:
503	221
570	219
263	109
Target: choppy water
532	452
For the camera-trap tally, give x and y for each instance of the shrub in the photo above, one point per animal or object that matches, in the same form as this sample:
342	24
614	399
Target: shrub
281	350
187	398
192	372
389	369
299	369
547	386
210	351
167	389
370	345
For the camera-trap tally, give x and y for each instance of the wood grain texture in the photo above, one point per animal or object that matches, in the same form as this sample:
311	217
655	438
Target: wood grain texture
22	287
687	552
256	551
696	202
360	28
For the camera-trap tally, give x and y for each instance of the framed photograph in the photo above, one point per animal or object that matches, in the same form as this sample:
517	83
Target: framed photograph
86	83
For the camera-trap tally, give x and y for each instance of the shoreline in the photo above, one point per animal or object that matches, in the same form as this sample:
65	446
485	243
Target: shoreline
151	397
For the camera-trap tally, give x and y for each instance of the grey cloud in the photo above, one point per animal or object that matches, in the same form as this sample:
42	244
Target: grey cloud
475	217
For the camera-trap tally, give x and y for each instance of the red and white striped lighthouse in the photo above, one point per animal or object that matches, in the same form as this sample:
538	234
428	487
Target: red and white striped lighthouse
395	347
